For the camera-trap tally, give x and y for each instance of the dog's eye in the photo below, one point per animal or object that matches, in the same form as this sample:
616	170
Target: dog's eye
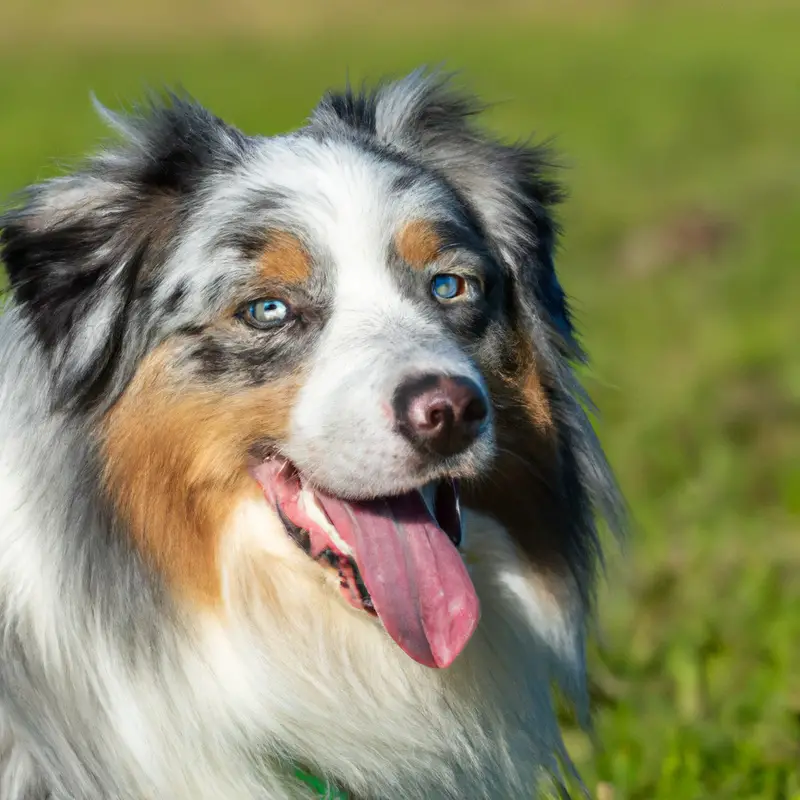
266	312
447	287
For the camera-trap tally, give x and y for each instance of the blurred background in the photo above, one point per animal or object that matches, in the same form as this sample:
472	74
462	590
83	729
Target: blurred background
679	121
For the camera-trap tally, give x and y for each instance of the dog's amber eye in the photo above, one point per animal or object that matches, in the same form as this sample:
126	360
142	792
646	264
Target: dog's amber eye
267	312
447	287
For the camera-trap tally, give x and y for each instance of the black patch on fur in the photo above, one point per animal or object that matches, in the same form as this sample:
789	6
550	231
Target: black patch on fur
175	299
403	182
88	249
42	275
251	243
58	279
238	361
537	194
242	357
99	376
250	234
185	144
356	109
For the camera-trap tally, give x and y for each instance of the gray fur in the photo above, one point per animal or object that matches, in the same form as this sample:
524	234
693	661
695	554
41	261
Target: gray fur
109	686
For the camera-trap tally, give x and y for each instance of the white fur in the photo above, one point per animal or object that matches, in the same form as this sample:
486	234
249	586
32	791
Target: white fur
285	668
113	685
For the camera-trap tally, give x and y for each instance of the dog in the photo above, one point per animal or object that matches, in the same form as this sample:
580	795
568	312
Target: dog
297	480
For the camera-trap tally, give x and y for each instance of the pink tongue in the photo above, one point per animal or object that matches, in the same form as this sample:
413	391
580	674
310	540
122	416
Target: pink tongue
416	578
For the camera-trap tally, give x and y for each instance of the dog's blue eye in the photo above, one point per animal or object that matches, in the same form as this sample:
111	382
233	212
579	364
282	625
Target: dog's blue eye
448	287
266	313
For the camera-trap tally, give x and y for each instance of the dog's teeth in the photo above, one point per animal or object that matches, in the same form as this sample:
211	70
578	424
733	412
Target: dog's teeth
310	504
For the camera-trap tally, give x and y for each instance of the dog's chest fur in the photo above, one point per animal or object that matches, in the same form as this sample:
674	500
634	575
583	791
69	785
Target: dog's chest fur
214	708
163	636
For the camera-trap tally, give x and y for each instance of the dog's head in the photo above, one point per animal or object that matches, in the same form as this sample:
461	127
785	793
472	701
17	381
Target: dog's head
359	322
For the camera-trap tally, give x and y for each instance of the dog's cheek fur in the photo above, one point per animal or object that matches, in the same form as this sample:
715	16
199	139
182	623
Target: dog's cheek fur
174	453
175	464
527	438
527	492
550	474
527	465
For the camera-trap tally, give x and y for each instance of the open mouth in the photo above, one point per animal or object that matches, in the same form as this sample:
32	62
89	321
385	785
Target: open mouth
396	557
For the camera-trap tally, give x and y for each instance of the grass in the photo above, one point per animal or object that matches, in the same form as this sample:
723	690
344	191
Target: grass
681	127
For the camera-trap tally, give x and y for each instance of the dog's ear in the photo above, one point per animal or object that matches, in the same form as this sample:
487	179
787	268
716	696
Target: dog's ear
510	188
550	461
82	252
550	478
513	193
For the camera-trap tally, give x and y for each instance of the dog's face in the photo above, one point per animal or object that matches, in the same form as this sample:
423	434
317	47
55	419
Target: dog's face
358	323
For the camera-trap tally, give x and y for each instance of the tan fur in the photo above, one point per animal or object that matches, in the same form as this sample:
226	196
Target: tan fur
284	260
176	459
535	399
492	704
526	464
418	243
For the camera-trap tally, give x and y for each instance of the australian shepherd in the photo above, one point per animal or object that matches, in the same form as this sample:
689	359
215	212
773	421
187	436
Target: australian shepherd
296	479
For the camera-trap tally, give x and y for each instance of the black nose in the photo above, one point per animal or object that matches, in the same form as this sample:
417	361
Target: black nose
440	414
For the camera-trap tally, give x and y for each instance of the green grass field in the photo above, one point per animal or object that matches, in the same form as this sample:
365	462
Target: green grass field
680	124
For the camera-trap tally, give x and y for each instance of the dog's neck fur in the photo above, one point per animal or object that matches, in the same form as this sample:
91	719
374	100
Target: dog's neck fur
220	703
170	701
148	651
382	725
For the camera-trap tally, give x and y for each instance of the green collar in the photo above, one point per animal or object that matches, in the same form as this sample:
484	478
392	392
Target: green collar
322	788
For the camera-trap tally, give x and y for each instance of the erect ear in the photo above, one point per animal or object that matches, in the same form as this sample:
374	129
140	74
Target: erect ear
83	252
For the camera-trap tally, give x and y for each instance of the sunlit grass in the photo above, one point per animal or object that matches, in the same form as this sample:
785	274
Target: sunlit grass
662	116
